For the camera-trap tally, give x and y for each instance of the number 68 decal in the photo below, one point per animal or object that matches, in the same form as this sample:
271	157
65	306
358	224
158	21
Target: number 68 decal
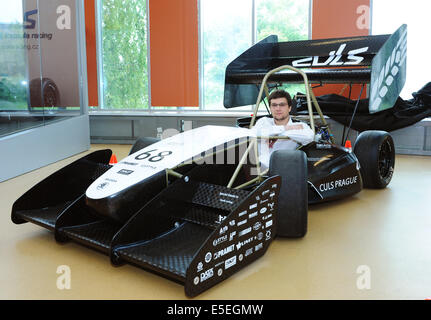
147	154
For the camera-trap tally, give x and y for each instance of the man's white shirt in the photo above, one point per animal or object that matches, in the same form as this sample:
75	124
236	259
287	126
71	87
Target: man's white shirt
266	126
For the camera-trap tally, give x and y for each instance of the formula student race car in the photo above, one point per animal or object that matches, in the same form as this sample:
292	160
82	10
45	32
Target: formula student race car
173	208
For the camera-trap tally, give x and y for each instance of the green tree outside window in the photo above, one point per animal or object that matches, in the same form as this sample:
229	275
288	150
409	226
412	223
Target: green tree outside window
124	54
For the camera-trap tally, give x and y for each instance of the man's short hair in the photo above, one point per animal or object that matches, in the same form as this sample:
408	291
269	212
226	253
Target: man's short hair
280	94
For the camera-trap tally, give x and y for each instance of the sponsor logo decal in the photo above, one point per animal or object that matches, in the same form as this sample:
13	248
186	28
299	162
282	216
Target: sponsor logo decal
129	163
248	252
224	251
125	172
257	226
228	195
243	243
244	232
207	274
252	215
102	186
208	257
220	240
223	229
242	222
230	262
242	213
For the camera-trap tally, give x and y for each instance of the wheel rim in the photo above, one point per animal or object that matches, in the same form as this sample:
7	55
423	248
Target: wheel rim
386	160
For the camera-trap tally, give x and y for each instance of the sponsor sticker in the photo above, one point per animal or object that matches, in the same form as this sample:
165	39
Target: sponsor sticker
129	163
252	215
102	186
242	222
240	244
223	229
242	213
244	232
200	266
248	252
208	257
224	251
207	274
220	240
257	226
268	235
125	172
230	262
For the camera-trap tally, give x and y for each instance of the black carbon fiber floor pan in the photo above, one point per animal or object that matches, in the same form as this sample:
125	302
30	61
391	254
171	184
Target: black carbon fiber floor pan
172	252
44	217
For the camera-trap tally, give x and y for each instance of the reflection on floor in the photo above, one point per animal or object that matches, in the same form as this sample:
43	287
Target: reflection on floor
374	245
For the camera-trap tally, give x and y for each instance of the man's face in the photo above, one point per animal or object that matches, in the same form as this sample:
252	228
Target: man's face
280	109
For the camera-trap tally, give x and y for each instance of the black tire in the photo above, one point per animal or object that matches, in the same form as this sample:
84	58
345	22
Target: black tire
141	143
293	199
48	96
375	151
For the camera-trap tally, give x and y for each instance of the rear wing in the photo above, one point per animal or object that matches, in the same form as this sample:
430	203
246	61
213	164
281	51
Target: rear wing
378	60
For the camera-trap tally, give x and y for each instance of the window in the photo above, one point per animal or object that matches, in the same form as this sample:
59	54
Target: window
388	17
124	71
228	28
288	19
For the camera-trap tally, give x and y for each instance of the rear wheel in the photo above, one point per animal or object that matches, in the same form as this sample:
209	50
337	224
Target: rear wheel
142	143
293	199
43	93
375	151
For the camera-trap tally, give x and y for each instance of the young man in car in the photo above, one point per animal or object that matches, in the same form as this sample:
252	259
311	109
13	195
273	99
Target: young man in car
281	124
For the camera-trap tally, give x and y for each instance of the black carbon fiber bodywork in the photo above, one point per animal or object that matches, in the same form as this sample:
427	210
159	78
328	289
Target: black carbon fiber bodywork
333	172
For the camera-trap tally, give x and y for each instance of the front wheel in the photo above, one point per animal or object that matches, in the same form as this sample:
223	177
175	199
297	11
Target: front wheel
291	165
375	151
142	143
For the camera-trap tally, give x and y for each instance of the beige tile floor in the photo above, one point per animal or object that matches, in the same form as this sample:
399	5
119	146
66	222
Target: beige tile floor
378	237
